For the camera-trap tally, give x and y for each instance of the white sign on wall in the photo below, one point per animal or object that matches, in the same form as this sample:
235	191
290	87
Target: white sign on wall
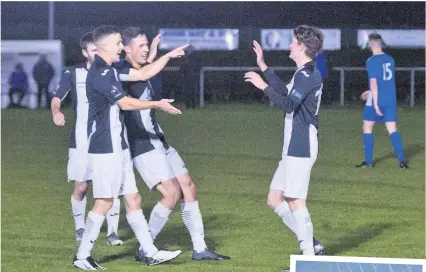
199	38
399	38
280	39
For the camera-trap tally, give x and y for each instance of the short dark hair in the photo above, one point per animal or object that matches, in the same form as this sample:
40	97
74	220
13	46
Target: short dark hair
375	37
130	33
103	31
86	39
311	37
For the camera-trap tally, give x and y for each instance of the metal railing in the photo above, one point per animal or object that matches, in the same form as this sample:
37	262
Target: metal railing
341	70
228	69
412	71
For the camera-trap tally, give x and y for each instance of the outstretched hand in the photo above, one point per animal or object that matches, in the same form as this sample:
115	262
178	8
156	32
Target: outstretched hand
166	106
256	80
178	52
259	56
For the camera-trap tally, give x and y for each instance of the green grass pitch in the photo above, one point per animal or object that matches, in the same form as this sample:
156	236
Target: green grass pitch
232	153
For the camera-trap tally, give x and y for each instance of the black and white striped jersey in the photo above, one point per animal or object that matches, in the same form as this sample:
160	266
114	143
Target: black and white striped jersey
300	99
105	127
143	131
73	82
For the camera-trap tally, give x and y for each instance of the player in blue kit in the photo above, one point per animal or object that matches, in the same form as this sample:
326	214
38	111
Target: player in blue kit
380	103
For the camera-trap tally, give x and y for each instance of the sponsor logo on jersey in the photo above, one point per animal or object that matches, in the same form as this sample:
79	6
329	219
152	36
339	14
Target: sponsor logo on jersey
305	73
114	91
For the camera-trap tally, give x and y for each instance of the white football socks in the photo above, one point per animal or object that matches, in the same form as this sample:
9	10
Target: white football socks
140	227
113	217
305	231
283	211
79	212
92	228
191	217
158	219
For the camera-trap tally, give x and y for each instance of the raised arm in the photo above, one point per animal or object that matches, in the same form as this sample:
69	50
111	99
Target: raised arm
150	70
275	81
114	92
153	49
301	88
129	103
269	74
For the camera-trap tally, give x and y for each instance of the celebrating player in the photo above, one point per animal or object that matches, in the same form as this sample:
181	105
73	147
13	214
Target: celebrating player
74	81
300	99
380	103
158	163
109	156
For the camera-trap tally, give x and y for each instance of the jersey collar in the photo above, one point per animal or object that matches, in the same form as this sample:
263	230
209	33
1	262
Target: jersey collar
100	61
128	64
309	63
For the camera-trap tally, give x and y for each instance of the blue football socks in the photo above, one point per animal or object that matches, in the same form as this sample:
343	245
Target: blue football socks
397	145
368	140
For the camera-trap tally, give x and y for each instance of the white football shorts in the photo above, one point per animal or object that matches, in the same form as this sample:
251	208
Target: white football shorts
292	176
112	174
78	165
159	165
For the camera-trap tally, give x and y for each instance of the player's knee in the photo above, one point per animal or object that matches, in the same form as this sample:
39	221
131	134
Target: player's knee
133	202
367	128
273	201
391	131
136	200
185	182
168	195
275	198
189	190
367	131
391	127
102	205
191	187
177	193
171	194
108	205
80	189
296	204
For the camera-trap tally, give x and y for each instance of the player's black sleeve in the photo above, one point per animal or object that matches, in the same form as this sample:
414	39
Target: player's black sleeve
109	85
275	81
303	85
65	84
278	98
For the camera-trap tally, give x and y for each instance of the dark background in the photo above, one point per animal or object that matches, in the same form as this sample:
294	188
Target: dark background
29	20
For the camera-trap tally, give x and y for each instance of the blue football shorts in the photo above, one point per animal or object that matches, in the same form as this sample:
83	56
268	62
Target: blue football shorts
389	114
